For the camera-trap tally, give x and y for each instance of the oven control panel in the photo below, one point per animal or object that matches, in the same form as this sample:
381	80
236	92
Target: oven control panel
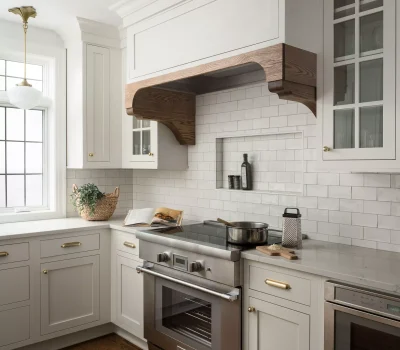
365	300
180	262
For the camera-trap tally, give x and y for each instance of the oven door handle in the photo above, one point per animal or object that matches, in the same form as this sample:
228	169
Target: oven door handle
231	296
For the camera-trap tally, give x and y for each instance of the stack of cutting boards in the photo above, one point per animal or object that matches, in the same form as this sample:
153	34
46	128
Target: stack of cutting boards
284	252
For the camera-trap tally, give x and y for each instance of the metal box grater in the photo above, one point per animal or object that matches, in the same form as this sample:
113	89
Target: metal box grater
292	237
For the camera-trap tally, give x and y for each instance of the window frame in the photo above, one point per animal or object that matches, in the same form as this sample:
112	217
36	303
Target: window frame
53	105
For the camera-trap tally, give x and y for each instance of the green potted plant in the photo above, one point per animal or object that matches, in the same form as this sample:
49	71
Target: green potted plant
92	204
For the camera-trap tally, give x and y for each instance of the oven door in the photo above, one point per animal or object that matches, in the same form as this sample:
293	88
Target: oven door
189	312
351	329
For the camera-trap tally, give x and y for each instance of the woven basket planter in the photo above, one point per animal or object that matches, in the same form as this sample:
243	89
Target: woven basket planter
105	207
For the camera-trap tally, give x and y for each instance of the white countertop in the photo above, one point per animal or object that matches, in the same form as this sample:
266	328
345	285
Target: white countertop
48	227
373	268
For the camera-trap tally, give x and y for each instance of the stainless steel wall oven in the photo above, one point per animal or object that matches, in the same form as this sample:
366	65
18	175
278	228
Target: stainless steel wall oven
360	319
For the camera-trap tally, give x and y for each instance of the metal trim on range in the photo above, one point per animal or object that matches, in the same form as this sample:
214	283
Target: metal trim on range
231	296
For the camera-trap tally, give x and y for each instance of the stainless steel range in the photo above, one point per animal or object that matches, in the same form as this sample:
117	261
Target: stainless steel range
192	288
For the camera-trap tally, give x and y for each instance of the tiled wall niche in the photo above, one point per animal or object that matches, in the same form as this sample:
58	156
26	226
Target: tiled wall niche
276	160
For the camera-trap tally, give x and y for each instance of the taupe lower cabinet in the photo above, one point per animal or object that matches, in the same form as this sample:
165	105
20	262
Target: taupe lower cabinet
126	283
70	293
276	327
281	308
129	296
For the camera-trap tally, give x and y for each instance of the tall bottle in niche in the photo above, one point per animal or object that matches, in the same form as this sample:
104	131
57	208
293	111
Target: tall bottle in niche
247	181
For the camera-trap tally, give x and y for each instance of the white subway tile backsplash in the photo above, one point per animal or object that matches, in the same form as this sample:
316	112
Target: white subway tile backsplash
340	192
376	234
376	180
358	209
366	220
352	205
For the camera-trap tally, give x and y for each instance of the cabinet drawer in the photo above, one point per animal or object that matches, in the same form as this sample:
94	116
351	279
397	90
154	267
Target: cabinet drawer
128	243
14	325
14	252
280	285
69	245
15	285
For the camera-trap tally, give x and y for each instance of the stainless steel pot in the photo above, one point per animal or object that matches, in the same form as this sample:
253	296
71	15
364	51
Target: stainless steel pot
247	232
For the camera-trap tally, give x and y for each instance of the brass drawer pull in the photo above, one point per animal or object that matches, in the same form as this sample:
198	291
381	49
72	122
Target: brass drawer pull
251	309
45	272
277	284
129	244
4	254
71	244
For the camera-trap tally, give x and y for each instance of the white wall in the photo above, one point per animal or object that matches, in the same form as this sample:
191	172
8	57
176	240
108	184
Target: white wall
357	209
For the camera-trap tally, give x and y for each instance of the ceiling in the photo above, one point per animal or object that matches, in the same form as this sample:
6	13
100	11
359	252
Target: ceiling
60	15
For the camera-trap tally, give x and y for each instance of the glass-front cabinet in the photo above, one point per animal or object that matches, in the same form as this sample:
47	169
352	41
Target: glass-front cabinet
359	97
143	136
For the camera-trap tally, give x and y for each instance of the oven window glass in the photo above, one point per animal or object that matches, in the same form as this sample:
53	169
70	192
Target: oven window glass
358	333
186	315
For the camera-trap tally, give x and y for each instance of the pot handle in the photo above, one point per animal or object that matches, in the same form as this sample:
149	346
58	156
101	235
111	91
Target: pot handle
116	192
74	188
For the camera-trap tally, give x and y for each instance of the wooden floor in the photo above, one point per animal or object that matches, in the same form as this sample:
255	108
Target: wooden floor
108	342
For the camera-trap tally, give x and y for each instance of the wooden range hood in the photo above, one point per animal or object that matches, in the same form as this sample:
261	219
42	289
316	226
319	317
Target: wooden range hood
171	98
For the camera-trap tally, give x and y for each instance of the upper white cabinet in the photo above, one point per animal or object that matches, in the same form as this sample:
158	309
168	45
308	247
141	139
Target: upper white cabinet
94	97
165	36
359	91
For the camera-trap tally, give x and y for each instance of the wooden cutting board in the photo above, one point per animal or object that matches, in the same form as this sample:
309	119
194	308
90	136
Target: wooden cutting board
284	252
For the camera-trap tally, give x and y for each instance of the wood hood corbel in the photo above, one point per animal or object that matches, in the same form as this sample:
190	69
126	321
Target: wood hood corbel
171	98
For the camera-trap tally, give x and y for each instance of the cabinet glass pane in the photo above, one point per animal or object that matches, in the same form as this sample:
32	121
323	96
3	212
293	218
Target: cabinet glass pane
34	158
34	125
15	191
136	143
344	85
2	191
146	142
2	67
344	40
371	127
136	123
371	34
2	123
146	123
2	157
343	128
15	124
366	5
15	157
371	80
2	83
344	8
34	190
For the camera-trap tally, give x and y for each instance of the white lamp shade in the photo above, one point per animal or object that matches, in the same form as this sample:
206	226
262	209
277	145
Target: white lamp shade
24	97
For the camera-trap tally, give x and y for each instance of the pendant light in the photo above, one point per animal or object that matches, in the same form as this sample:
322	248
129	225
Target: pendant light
23	95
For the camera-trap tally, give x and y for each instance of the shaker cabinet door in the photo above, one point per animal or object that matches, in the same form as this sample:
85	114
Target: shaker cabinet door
275	327
129	296
97	104
359	100
69	293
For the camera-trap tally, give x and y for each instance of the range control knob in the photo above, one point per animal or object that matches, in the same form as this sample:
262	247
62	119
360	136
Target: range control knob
164	257
196	266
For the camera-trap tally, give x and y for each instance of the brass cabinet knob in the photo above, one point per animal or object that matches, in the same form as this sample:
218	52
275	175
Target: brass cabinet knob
327	149
91	154
45	272
251	309
151	154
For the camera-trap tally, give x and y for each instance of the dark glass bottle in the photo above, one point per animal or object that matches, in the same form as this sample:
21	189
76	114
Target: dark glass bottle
247	181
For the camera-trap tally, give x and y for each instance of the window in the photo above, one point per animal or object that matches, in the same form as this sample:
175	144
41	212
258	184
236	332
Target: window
11	74
32	142
21	158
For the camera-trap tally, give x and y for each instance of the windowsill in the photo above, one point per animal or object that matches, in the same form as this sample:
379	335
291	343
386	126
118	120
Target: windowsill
30	216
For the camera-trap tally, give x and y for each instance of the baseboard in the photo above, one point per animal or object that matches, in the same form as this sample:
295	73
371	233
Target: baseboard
141	343
72	339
